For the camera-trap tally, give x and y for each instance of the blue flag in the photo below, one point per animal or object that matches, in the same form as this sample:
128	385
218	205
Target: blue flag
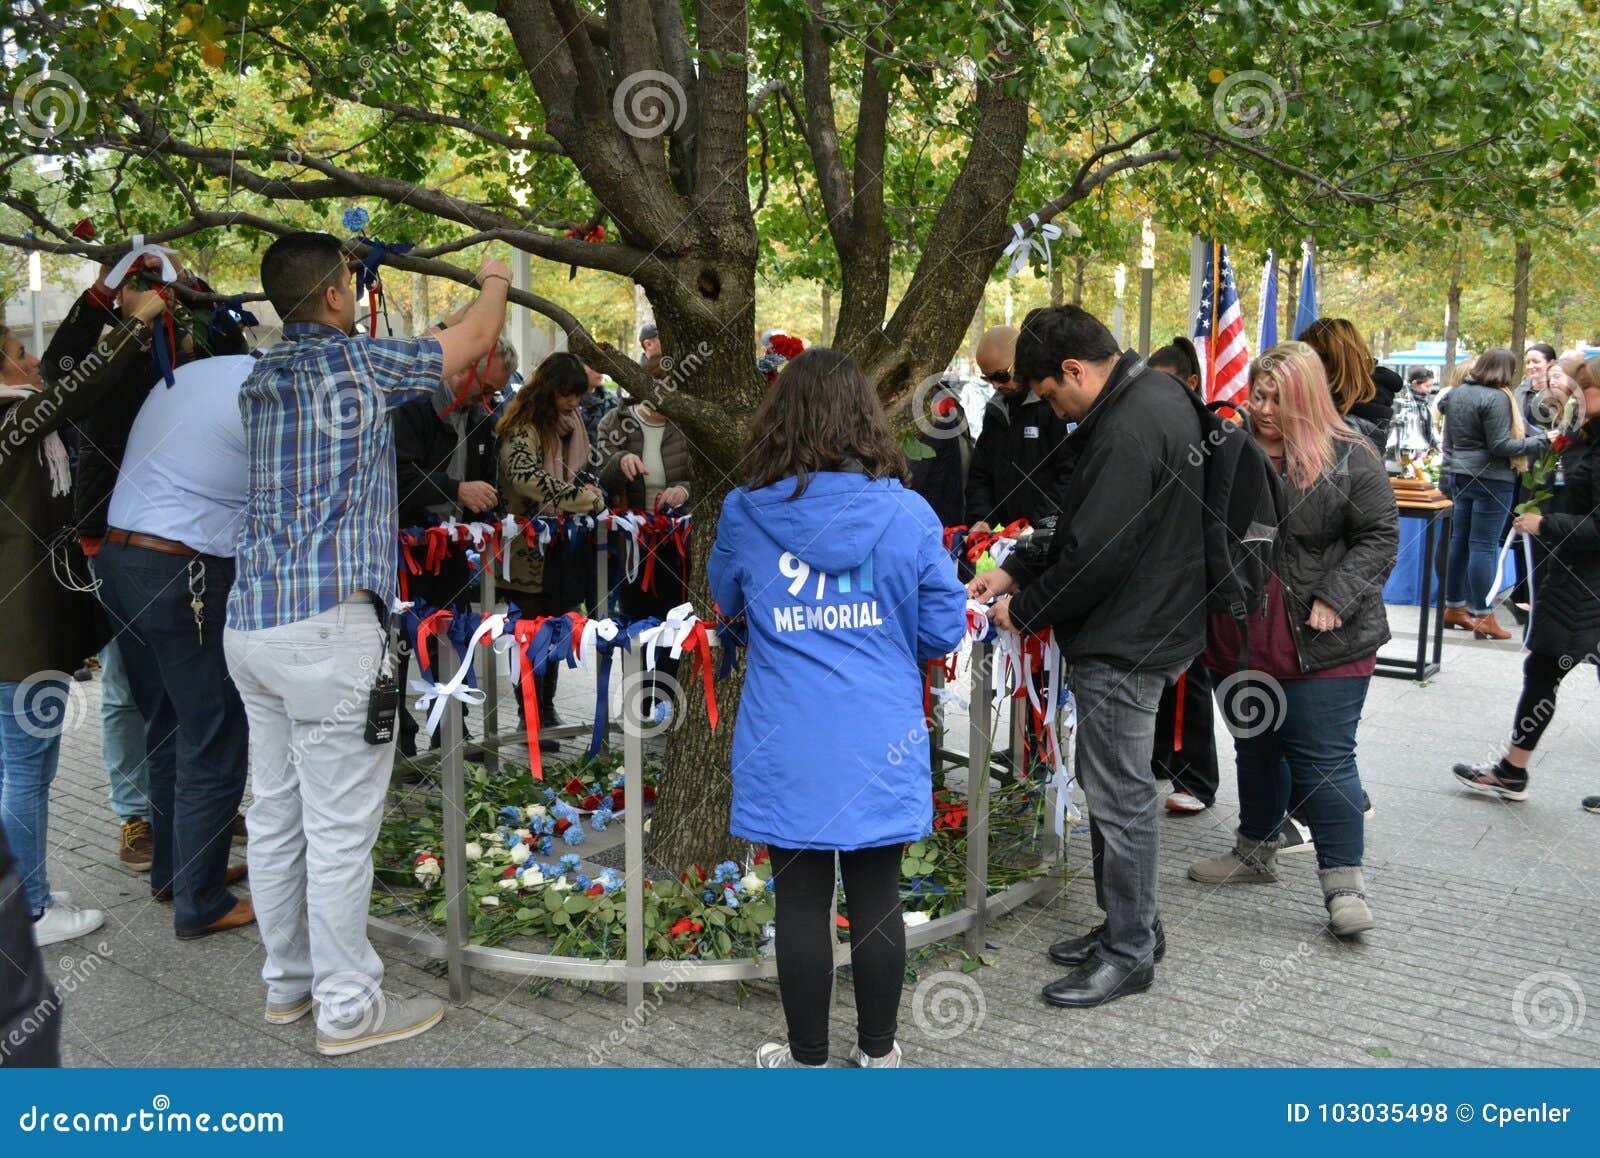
1307	311
1267	322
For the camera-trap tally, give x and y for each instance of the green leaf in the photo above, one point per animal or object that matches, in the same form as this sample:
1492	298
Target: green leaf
1379	1051
915	449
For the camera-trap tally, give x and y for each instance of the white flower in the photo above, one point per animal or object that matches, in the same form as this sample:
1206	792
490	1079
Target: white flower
507	882
537	811
427	870
474	851
916	919
561	885
751	883
489	837
491	901
533	878
525	834
520	854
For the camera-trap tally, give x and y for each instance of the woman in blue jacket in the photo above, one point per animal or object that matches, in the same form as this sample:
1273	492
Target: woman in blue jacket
842	576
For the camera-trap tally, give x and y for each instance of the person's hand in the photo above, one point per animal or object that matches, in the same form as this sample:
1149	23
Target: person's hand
595	492
145	305
979	528
1000	614
100	282
1528	524
490	268
632	467
476	497
1323	617
991	585
674	496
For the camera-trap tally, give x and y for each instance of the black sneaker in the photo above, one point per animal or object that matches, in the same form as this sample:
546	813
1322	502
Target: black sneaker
1591	804
1485	778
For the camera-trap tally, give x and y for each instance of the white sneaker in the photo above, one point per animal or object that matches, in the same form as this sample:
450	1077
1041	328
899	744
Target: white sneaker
390	1019
775	1056
1185	802
62	922
1294	837
889	1061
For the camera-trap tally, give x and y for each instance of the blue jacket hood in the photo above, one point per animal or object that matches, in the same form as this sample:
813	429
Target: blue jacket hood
835	524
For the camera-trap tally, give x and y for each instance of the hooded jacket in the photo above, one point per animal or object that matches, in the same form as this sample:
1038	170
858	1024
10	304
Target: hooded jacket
847	591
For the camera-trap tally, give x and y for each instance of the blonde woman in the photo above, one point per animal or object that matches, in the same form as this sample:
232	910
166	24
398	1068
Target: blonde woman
1316	648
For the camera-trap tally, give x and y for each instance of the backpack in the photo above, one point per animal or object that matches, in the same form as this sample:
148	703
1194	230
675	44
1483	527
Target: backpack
1243	507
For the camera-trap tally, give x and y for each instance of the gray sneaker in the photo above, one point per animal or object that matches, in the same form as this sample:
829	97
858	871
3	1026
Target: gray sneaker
889	1061
391	1019
776	1056
290	1010
1248	862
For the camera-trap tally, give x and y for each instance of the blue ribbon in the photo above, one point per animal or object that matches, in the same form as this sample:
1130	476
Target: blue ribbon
367	276
166	356
627	632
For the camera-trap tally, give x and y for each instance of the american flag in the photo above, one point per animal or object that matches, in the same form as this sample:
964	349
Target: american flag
1219	329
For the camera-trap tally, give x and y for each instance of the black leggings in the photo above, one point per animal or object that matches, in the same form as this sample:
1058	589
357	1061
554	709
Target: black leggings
1541	676
804	889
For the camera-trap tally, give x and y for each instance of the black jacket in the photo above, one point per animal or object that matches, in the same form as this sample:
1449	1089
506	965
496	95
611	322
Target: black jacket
1018	467
423	446
942	477
1566	606
102	434
1338	544
1123	578
1379	409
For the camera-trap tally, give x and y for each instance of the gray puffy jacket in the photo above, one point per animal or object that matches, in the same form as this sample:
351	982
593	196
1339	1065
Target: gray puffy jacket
1477	423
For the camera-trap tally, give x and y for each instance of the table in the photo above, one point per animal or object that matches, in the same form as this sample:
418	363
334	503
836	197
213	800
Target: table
1432	513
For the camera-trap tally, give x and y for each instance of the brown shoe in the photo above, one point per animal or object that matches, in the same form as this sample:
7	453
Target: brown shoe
1487	627
236	873
242	913
240	834
138	849
1458	617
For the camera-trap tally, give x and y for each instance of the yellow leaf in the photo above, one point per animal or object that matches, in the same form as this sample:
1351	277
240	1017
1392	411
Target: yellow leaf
184	26
212	55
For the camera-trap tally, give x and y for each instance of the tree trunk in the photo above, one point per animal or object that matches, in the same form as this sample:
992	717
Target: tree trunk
1452	322
419	304
826	338
1519	302
1294	294
1056	289
1080	267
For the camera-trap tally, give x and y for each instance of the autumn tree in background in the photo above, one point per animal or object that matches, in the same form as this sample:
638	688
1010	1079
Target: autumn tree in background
716	143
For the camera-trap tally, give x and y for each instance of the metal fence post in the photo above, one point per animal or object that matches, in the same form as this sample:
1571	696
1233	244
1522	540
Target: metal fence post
490	676
457	919
602	572
978	755
633	836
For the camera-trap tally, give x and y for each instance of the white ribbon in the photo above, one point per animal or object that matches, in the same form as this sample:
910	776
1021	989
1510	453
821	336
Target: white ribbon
1022	243
1500	569
670	632
437	694
593	630
169	271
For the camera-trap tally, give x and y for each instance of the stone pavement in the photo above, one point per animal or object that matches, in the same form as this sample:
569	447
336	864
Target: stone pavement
1487	950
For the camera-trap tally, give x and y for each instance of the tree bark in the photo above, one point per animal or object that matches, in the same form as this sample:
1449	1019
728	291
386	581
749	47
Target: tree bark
1519	302
826	337
1294	294
1056	291
1080	270
1452	321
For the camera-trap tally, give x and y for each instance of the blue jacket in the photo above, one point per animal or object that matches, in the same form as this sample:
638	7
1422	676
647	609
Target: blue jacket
848	591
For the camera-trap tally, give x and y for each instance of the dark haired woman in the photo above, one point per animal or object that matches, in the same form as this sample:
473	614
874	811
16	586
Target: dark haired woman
1490	446
843	578
543	449
1180	359
1566	617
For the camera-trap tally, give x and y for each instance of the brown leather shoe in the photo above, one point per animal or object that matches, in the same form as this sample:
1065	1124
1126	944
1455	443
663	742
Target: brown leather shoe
236	873
137	851
1488	627
242	913
1458	617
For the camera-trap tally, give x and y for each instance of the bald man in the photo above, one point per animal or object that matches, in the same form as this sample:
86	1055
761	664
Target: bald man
1018	467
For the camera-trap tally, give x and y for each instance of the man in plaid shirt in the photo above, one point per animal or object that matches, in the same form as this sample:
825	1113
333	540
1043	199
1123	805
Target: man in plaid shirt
316	557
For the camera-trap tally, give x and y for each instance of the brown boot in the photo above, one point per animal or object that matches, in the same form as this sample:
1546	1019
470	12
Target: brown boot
1487	627
235	874
242	913
138	848
1458	617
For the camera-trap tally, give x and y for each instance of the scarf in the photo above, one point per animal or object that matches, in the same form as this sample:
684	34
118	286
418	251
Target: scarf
1519	430
52	451
565	466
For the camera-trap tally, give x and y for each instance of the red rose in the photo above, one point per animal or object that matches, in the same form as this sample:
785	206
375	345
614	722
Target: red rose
84	230
842	922
576	787
595	891
944	407
617	799
763	856
1561	444
591	802
511	871
697	926
562	825
680	927
786	346
649	794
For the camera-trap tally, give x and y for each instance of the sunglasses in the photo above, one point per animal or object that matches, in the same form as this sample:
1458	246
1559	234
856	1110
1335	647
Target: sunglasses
998	378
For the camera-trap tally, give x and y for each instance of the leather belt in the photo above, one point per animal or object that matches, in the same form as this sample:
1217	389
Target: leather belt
151	543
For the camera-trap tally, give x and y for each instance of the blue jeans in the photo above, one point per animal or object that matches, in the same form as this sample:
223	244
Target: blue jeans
122	739
1310	754
196	735
1483	510
32	715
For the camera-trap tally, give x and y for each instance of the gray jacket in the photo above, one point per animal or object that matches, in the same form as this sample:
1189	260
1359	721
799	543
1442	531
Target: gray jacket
1477	422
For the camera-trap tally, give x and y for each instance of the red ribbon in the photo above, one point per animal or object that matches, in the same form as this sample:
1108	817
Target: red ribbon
699	643
1177	715
523	633
438	622
438	548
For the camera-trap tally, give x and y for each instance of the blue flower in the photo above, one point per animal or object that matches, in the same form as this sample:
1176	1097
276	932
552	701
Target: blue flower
574	835
709	897
355	220
610	880
583	882
598	821
549	795
727	871
546	846
512	816
729	897
617	780
569	862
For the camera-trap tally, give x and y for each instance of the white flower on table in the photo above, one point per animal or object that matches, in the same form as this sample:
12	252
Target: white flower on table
426	869
751	883
491	901
474	850
532	878
520	854
536	811
561	885
524	834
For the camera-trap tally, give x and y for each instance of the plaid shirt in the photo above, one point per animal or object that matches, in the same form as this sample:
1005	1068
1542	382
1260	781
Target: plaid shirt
319	521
